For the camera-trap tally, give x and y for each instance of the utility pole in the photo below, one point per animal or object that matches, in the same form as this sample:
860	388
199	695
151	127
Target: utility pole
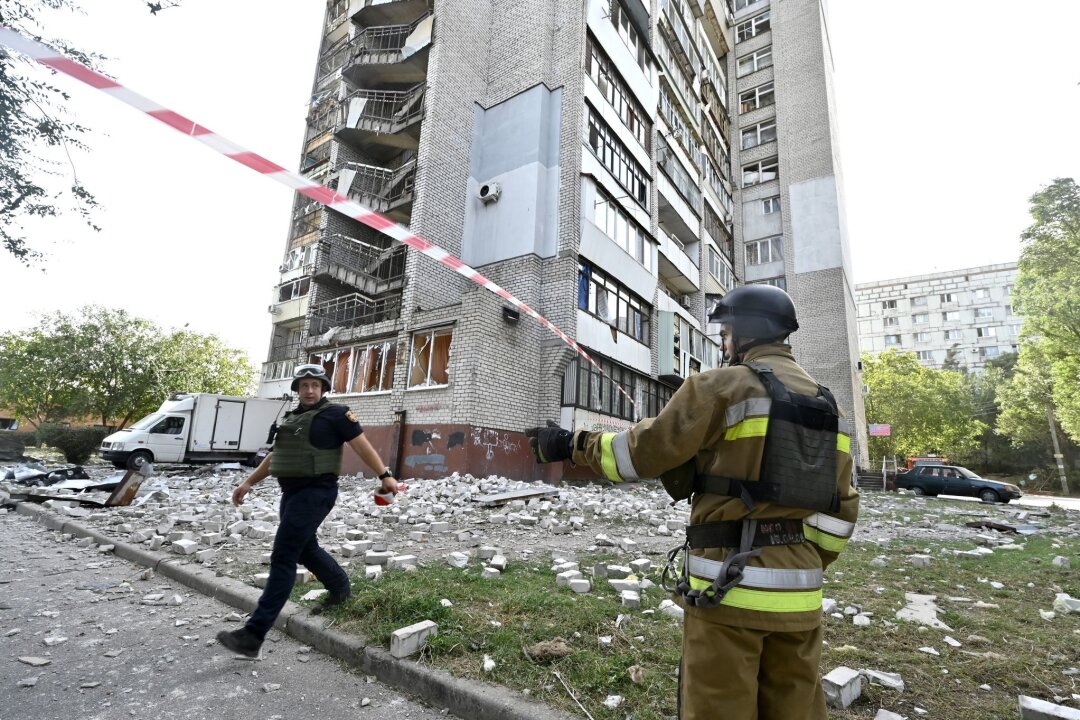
1058	457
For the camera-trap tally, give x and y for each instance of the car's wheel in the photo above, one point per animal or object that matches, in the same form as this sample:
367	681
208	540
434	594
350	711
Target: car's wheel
918	490
139	458
989	496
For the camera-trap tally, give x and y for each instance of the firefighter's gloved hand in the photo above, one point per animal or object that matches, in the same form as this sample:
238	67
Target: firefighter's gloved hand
551	443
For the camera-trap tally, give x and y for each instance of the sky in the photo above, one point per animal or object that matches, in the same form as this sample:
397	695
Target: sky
949	120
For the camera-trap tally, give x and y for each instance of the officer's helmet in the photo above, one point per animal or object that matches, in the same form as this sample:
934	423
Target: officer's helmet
757	311
310	371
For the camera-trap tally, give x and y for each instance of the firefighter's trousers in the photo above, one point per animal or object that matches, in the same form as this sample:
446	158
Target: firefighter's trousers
742	674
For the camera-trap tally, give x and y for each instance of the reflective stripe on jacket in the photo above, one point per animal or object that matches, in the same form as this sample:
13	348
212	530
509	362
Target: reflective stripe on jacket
715	424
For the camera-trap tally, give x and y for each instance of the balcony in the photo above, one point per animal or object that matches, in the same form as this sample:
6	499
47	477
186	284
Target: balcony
383	55
314	158
285	311
284	351
385	190
390	12
382	123
371	269
675	266
352	311
717	21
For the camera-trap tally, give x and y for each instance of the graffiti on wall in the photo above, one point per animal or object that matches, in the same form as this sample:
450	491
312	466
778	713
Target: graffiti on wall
492	440
429	459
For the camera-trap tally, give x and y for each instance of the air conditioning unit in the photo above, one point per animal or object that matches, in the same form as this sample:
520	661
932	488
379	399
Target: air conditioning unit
273	309
489	192
283	267
684	300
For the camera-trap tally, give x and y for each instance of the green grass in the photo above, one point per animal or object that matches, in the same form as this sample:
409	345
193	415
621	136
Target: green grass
500	617
1022	654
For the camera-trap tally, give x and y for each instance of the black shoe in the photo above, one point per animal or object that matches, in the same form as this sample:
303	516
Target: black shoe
242	642
330	601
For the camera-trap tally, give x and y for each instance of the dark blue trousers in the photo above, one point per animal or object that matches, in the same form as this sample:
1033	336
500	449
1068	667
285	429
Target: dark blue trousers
302	511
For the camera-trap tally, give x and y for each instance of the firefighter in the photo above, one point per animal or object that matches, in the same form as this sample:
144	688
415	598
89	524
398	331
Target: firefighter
306	460
760	451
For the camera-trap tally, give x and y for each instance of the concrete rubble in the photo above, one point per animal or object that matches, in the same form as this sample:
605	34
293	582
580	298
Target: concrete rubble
190	516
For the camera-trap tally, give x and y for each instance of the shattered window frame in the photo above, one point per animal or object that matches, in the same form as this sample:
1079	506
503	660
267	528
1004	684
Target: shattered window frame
349	371
429	369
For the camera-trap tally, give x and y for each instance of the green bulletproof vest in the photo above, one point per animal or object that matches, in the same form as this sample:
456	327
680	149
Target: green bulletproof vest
294	456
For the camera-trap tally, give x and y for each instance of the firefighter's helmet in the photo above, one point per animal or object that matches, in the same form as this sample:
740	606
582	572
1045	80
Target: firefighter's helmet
757	311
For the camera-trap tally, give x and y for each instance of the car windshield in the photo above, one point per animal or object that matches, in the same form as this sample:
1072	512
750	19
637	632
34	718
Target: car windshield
966	473
146	422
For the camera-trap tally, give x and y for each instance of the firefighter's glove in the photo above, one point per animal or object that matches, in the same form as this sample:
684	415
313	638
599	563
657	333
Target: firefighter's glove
551	443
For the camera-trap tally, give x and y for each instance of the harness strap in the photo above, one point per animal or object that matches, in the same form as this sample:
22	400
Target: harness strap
728	533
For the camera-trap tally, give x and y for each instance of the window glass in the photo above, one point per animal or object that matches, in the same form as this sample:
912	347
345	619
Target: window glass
430	359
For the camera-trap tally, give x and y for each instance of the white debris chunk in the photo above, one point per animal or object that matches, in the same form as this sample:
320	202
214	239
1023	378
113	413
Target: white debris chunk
489	664
1035	709
613	701
893	681
842	687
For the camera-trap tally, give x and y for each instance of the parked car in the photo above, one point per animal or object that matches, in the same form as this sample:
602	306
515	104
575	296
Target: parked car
954	480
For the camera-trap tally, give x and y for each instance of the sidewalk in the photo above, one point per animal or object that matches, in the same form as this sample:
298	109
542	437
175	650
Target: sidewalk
468	700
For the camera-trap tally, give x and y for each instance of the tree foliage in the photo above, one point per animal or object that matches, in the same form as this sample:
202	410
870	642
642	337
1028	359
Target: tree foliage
111	366
930	411
38	130
1048	296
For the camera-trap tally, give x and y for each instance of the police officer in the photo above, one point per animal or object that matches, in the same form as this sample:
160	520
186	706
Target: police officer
306	460
760	451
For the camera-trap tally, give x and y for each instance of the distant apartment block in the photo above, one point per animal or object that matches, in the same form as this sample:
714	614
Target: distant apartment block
966	312
619	165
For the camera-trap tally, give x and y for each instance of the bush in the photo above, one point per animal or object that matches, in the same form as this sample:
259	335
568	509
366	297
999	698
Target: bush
77	444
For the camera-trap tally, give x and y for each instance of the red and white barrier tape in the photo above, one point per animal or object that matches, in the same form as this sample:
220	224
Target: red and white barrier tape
330	198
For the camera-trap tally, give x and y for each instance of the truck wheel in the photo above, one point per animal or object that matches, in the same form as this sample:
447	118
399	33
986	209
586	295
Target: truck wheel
139	458
989	496
918	490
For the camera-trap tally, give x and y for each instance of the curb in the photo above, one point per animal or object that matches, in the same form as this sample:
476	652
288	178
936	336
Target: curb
470	700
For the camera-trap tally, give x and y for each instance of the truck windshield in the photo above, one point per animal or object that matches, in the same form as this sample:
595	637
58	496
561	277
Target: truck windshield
146	422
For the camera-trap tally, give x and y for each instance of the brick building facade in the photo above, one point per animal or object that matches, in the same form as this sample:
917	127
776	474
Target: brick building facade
590	158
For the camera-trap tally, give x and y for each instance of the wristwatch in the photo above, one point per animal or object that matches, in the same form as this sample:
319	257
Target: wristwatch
385	474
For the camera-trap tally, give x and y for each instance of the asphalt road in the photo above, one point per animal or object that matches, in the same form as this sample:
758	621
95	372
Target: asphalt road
122	643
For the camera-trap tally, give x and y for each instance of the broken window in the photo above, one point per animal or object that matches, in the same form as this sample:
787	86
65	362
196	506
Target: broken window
295	289
759	252
760	172
759	134
375	368
430	359
340	381
9	424
752	27
612	302
756	98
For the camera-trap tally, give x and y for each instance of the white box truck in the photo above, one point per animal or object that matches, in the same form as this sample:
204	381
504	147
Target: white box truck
197	428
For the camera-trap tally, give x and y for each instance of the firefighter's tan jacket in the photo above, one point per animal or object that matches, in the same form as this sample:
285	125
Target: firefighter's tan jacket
715	424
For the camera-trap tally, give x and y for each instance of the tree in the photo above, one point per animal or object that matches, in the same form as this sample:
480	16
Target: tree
33	379
113	366
38	135
930	411
1048	297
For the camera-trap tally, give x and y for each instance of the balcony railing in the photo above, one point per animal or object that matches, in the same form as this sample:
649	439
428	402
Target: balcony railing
286	351
353	310
378	44
384	111
377	187
384	266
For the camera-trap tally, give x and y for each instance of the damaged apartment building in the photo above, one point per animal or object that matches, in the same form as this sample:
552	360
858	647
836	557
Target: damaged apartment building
617	165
